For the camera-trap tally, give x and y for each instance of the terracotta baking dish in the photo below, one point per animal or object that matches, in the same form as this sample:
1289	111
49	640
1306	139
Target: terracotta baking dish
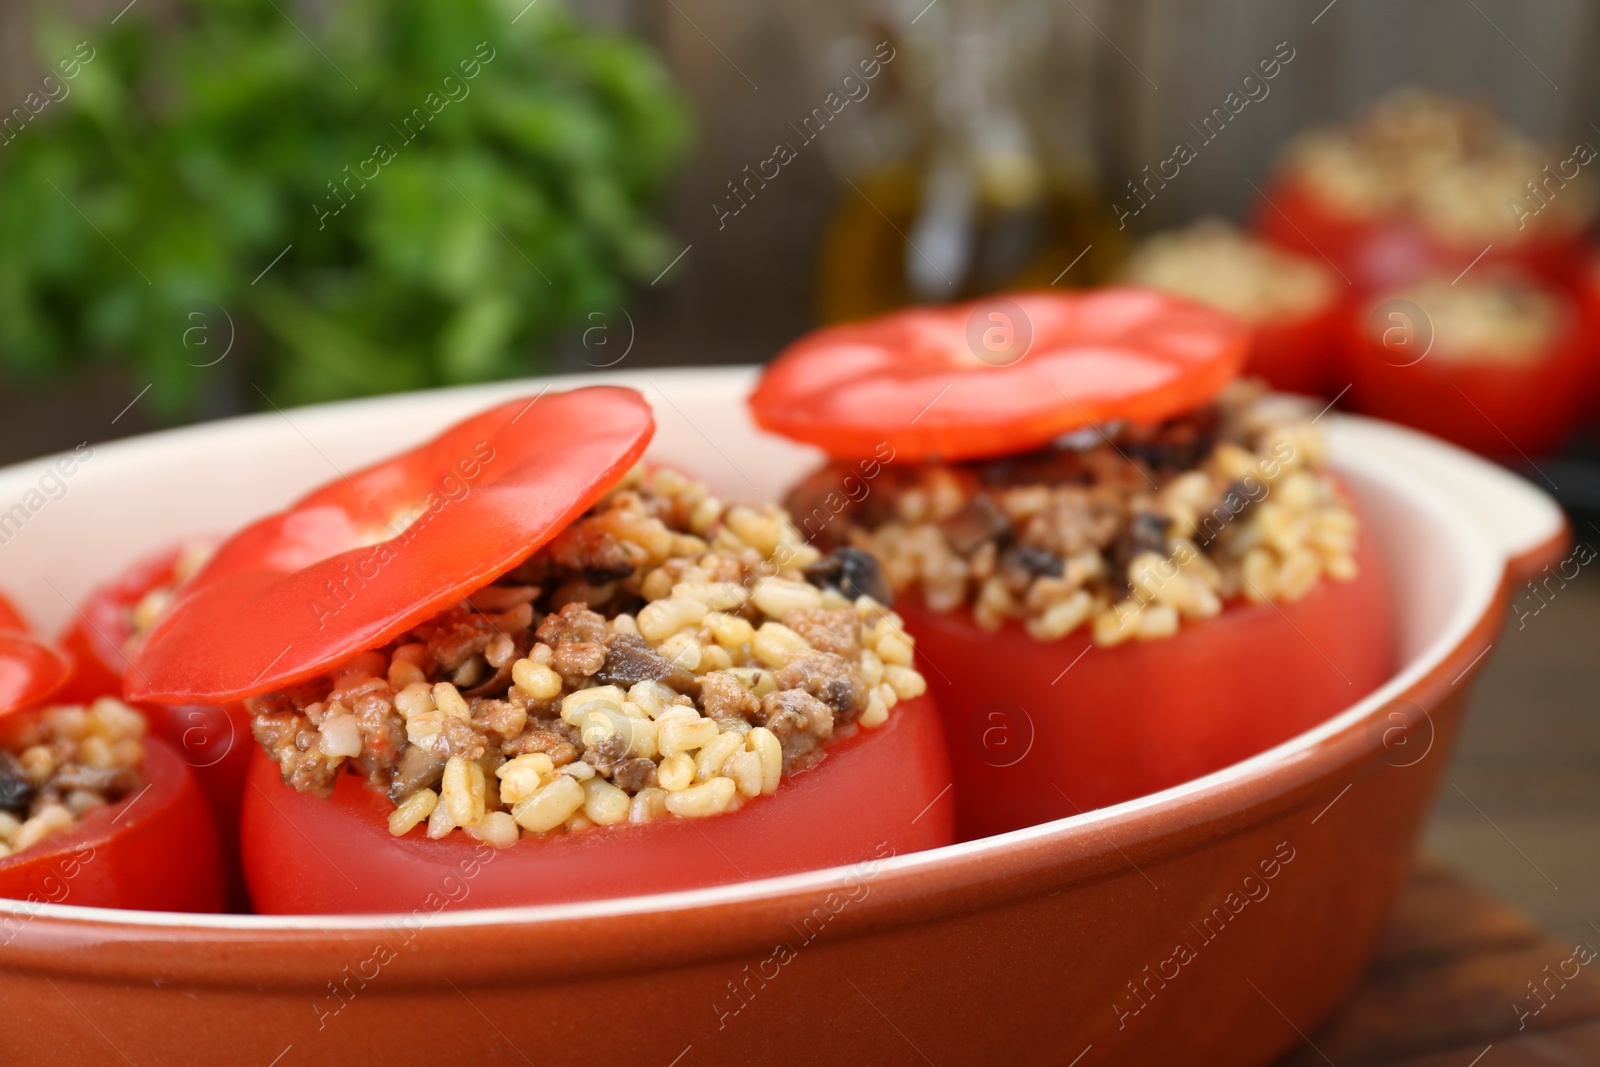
1208	924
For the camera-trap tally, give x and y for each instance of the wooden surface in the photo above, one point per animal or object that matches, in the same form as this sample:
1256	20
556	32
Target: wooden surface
1455	972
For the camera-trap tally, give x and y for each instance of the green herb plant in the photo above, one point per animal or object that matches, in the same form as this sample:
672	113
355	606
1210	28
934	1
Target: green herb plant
371	195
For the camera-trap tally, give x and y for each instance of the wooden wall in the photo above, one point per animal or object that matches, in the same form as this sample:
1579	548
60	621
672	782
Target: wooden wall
1147	68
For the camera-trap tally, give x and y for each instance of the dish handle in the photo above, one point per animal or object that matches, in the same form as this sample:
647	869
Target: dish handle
1529	525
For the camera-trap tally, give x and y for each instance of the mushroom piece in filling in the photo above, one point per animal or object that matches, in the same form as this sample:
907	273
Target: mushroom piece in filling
665	655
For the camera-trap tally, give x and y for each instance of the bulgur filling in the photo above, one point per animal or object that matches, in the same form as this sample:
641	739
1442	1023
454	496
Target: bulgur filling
1451	165
1216	264
665	655
1506	320
1127	532
60	763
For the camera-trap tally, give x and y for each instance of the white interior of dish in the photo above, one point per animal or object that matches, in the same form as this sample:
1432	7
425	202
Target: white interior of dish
1446	523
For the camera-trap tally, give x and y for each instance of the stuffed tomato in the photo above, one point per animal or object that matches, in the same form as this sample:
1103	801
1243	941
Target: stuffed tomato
92	812
514	651
214	741
1291	304
1497	363
1123	568
1424	183
105	627
341	854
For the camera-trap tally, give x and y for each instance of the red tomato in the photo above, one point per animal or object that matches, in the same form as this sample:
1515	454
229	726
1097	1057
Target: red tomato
1380	253
214	741
1300	355
1042	730
154	851
30	670
365	558
98	635
881	792
1589	307
997	376
11	618
1496	409
90	675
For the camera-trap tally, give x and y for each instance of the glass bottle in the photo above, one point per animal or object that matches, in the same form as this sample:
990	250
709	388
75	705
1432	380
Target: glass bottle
975	174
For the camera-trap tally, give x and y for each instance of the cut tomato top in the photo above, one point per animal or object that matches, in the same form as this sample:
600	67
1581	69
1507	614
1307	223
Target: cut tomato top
10	618
998	376
364	558
30	670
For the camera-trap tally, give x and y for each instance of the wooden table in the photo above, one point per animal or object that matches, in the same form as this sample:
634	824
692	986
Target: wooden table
1449	981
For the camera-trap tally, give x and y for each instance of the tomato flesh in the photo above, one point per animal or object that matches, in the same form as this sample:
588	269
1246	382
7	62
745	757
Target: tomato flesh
1044	730
997	376
154	851
881	792
367	557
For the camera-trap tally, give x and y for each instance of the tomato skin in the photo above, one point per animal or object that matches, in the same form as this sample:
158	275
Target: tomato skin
1030	743
155	851
30	671
1380	253
1496	410
882	792
214	741
90	676
11	618
98	634
364	558
1589	306
1300	355
910	385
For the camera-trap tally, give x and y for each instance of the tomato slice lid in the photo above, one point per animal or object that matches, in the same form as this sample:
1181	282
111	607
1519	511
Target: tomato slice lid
365	558
30	670
11	618
998	376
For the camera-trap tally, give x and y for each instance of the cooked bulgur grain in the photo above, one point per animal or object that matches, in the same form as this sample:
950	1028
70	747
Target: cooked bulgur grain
1126	533
60	763
664	655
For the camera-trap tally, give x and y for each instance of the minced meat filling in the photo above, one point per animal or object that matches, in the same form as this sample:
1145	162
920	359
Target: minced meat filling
1126	532
664	655
60	763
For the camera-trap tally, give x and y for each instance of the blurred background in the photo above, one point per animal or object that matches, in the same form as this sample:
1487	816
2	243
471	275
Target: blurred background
223	207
